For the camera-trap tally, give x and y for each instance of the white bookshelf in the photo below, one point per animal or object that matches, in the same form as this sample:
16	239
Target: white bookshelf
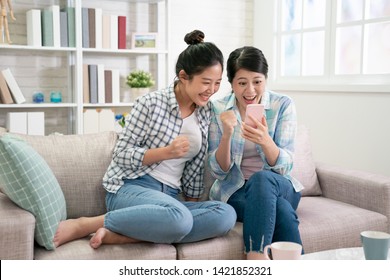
44	69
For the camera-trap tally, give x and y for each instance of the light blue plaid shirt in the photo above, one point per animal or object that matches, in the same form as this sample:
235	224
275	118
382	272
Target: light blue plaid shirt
282	124
154	122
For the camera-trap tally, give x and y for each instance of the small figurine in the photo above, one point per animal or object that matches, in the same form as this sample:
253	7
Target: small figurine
4	20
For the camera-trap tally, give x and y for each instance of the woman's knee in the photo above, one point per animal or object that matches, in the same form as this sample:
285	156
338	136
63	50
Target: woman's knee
286	215
229	217
178	224
260	183
224	217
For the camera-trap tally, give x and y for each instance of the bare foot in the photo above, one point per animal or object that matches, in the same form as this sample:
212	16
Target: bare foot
105	236
72	229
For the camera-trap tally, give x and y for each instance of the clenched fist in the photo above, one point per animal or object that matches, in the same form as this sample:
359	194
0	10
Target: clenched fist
229	121
179	147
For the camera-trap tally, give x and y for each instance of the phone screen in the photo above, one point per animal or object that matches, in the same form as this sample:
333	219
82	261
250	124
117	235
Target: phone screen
254	110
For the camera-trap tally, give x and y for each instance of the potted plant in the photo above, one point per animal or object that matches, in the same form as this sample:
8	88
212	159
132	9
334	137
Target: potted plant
139	81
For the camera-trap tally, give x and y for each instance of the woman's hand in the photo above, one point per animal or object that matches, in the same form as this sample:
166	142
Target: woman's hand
229	121
179	147
258	134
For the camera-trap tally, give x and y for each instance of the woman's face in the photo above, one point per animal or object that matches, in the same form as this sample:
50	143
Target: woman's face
248	87
202	86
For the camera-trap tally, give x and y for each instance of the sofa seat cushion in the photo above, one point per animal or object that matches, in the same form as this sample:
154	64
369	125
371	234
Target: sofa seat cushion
29	182
81	250
228	247
79	163
329	224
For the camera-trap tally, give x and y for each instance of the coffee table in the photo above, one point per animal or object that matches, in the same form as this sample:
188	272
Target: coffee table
355	253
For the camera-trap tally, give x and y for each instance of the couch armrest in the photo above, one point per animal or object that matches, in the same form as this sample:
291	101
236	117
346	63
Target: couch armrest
363	189
16	231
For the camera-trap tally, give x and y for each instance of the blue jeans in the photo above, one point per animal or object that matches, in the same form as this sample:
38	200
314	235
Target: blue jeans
147	210
266	205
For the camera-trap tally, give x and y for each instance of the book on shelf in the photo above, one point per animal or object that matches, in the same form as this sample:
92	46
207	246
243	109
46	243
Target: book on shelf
93	83
34	29
101	87
64	29
47	28
70	12
85	27
115	86
92	27
55	10
106	32
114	32
121	32
108	85
86	83
98	28
5	94
13	86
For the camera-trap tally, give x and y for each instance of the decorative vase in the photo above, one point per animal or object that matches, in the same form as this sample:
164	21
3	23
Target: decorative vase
137	92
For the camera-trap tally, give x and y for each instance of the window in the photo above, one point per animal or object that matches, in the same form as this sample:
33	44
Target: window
332	43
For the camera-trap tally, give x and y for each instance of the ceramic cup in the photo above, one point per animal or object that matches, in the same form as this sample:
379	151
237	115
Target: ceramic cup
375	244
283	250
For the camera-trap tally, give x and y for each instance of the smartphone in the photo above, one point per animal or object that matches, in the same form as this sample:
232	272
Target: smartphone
254	110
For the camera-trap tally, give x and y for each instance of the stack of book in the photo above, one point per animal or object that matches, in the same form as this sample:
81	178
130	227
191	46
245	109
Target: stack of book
51	27
100	85
10	92
102	30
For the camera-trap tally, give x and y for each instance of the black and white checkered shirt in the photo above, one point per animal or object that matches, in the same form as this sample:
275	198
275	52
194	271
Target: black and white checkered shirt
154	122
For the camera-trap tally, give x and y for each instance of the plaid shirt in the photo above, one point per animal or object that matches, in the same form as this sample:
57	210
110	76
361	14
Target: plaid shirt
154	122
281	119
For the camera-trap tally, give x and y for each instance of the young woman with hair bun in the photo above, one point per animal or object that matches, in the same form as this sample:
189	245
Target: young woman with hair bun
159	154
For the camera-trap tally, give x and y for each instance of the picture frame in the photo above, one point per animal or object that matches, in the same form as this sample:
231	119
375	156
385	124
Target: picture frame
144	40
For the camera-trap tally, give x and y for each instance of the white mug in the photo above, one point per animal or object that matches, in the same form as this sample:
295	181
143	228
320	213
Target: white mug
283	250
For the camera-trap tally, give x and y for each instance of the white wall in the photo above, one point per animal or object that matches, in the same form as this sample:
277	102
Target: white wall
227	23
348	129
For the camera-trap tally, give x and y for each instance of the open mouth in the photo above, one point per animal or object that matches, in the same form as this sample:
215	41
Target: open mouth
205	97
249	98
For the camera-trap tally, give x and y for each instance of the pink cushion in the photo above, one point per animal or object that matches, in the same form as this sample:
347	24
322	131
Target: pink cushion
304	169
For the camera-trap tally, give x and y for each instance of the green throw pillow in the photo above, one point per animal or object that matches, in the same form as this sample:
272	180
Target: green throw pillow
29	182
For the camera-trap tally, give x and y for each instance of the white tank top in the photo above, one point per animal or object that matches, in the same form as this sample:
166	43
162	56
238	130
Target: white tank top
170	171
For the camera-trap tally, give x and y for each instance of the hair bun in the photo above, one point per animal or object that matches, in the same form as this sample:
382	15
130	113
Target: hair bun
194	37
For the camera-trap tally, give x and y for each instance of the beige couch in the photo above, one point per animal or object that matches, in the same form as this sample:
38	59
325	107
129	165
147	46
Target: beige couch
337	205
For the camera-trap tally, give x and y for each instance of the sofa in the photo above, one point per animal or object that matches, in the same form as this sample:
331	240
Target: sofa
336	204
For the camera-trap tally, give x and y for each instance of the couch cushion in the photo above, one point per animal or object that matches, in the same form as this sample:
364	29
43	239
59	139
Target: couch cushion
304	169
329	224
227	247
81	250
29	182
79	163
